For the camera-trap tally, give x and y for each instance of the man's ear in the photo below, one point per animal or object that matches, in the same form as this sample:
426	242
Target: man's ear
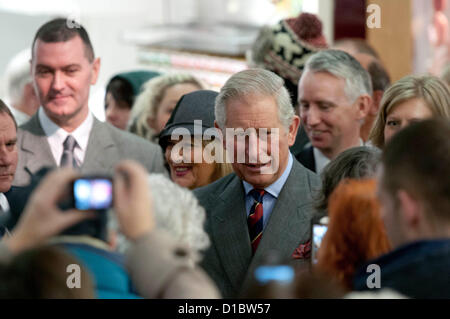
95	70
410	209
363	103
293	128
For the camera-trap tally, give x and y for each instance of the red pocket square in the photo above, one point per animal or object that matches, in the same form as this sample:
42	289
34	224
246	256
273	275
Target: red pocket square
302	251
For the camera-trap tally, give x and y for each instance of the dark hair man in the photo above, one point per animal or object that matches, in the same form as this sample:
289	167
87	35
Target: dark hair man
64	132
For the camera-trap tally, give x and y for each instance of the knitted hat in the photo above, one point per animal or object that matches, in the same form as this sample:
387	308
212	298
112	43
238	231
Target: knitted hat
285	47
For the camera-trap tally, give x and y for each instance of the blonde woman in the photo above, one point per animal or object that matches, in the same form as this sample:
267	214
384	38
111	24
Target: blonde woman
410	99
155	103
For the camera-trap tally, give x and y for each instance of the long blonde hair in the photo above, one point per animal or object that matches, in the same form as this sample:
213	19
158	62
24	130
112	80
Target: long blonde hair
430	89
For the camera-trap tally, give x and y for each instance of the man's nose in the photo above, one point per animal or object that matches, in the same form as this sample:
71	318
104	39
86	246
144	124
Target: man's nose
58	81
256	148
312	116
5	156
252	148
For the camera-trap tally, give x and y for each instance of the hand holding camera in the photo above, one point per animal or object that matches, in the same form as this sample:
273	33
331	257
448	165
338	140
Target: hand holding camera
42	217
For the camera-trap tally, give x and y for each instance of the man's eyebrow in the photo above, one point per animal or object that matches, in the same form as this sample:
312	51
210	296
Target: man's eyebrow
74	65
328	103
42	66
317	101
13	140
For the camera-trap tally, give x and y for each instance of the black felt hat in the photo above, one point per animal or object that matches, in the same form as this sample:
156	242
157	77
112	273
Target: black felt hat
194	113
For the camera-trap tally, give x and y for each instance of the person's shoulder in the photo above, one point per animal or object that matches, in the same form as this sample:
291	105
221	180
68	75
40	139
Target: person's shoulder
305	174
306	151
127	139
306	157
31	126
306	154
216	187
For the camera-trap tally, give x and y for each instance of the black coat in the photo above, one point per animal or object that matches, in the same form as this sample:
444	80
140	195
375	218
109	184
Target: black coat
418	270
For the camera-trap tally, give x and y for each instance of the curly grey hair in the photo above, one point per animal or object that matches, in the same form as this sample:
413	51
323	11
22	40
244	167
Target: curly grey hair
176	211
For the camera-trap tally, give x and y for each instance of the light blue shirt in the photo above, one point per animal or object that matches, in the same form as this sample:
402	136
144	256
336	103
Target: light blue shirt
271	195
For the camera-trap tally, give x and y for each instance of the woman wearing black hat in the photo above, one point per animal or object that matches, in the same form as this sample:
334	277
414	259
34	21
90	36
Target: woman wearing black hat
194	154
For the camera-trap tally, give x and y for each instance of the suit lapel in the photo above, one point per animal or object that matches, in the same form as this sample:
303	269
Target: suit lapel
288	225
229	227
101	151
35	142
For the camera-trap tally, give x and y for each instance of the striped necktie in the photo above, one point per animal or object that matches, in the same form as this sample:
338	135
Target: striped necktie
255	219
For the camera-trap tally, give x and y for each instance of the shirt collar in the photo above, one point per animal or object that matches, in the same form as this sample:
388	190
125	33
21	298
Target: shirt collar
53	131
274	189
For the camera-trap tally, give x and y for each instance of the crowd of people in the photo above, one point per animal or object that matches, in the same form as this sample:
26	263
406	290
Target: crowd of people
216	194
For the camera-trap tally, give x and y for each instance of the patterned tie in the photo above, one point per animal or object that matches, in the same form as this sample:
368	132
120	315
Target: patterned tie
255	219
68	158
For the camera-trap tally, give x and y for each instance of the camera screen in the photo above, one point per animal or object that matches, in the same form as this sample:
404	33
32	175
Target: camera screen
318	233
92	194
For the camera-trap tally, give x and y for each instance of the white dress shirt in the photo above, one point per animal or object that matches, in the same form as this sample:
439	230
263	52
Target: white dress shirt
4	205
56	136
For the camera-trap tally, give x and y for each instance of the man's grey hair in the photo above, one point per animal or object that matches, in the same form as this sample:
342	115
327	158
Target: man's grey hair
18	76
258	82
176	211
342	65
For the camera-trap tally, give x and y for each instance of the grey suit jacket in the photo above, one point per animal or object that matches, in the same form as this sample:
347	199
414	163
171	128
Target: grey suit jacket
229	260
106	147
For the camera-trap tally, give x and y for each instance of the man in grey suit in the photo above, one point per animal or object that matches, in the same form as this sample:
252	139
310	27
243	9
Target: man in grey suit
64	132
266	204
